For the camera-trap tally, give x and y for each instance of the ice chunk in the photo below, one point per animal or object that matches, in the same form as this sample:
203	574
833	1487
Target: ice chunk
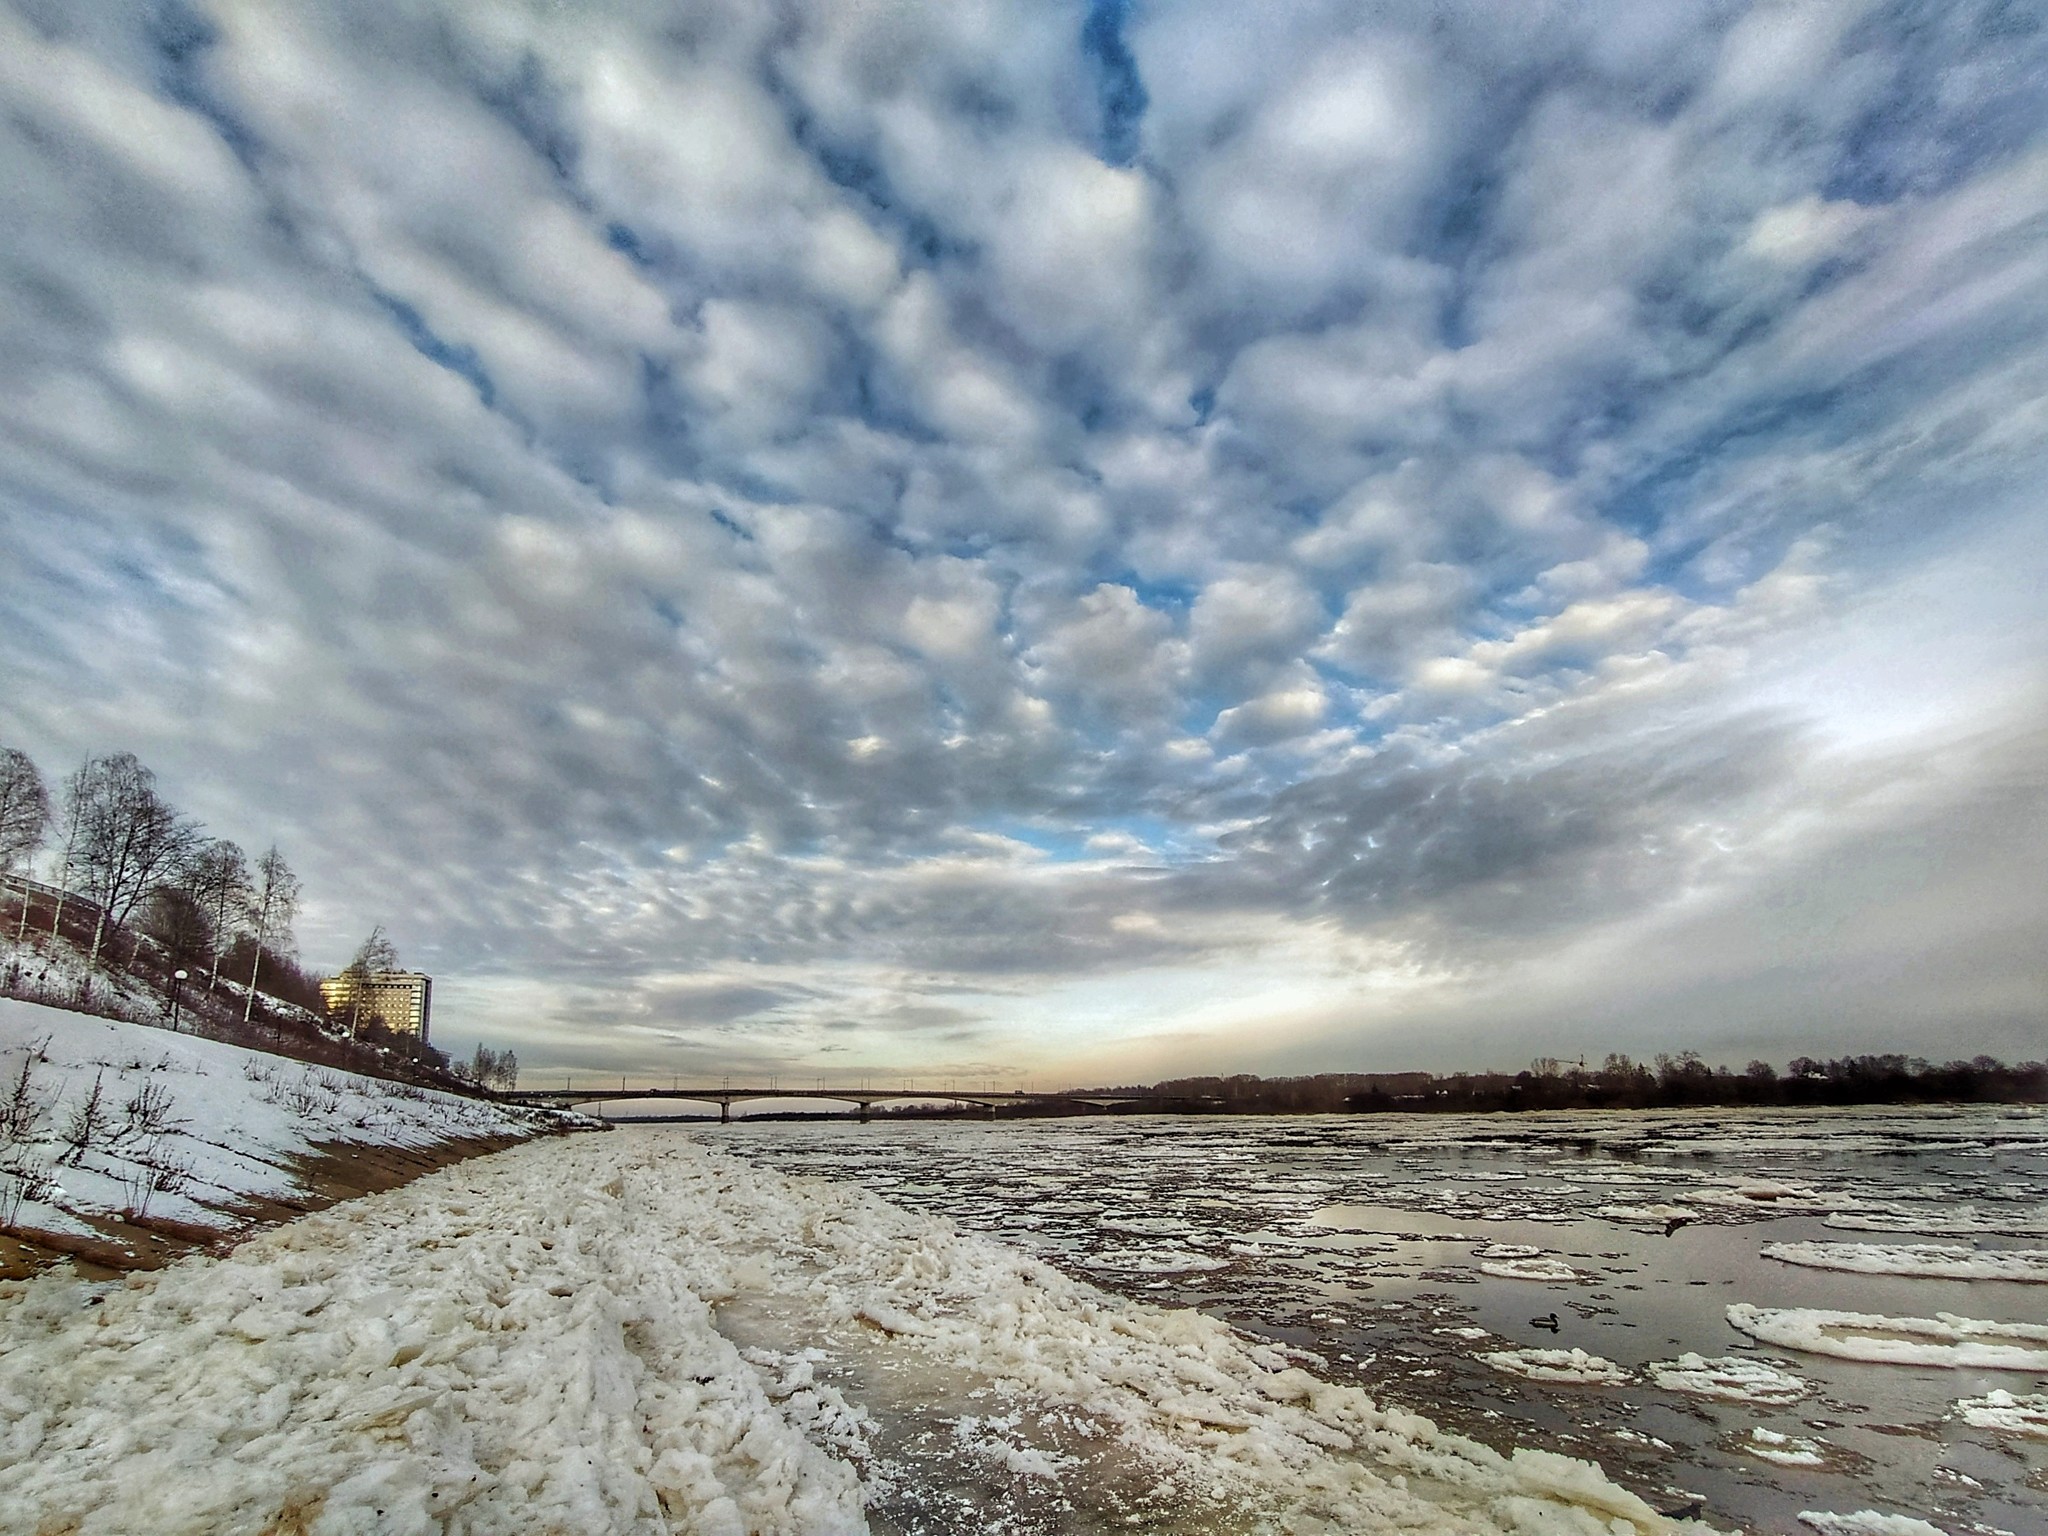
1529	1269
1934	1261
1941	1340
2007	1412
1562	1365
1657	1215
1867	1522
1736	1380
1153	1261
1784	1450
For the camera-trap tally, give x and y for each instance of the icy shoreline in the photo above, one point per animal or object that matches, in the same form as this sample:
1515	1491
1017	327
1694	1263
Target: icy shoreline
532	1341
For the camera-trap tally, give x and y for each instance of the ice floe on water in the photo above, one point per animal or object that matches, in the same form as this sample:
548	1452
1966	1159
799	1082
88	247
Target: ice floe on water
1729	1378
1950	1222
1784	1450
1154	1261
1941	1340
1932	1261
1529	1269
1867	1522
2009	1413
636	1333
1658	1215
1560	1365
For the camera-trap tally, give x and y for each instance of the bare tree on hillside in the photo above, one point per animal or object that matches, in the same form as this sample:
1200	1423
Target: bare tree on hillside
373	957
273	902
491	1069
64	866
24	818
217	879
127	838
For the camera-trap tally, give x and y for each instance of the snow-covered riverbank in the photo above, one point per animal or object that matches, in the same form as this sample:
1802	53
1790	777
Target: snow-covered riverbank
115	1136
637	1333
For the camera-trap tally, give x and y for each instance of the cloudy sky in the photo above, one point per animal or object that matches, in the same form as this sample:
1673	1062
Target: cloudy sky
1030	540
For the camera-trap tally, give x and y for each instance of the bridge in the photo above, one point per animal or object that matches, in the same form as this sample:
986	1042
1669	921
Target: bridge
864	1098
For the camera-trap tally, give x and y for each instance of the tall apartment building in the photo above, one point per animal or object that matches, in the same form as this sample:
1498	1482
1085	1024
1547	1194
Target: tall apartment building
402	1001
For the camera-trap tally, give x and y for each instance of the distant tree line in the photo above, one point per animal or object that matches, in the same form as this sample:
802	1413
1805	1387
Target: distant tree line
1685	1080
1619	1082
137	891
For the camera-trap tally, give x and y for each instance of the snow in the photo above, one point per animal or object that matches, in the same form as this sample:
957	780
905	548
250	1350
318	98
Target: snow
1560	1365
1935	1261
195	1127
1729	1378
1941	1340
2007	1412
542	1340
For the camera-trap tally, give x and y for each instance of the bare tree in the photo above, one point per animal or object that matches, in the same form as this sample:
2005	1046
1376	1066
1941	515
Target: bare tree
373	957
127	837
64	866
24	818
491	1069
273	902
217	878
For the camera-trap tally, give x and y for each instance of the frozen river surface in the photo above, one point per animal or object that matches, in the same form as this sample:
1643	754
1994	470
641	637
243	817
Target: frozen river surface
1174	1326
1777	1312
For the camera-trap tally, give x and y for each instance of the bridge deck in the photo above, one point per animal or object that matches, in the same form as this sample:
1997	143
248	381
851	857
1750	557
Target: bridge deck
574	1095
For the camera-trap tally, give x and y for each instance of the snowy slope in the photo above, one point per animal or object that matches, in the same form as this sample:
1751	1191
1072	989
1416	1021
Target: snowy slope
636	1333
187	1127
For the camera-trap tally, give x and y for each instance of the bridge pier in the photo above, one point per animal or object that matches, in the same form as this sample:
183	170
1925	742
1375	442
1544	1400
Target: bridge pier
725	1111
865	1106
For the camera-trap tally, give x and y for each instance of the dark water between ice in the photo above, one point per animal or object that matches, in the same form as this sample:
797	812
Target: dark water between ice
1362	1239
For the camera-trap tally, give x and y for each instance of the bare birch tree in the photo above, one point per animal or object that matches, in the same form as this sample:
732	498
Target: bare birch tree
217	877
373	957
24	818
127	838
273	902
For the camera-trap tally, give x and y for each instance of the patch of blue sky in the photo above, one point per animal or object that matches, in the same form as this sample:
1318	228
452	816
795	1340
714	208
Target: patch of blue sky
1924	136
1119	91
1069	844
456	357
629	243
526	103
1172	597
920	238
182	36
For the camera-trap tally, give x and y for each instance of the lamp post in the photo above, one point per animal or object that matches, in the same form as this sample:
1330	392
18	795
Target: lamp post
177	988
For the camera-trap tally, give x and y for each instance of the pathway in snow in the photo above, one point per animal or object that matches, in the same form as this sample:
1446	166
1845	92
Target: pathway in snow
635	1333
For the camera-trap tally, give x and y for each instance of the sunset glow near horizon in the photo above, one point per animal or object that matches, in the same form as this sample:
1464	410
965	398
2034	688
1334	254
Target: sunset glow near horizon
1037	543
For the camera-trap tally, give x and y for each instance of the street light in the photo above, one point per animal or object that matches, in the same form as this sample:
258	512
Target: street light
177	987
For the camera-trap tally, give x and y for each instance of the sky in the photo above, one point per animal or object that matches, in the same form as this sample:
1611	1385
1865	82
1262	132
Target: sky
1061	543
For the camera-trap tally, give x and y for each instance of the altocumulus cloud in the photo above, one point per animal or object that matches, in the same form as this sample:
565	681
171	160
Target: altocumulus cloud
1019	537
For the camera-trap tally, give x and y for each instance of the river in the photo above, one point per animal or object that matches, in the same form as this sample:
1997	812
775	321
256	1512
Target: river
1537	1280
